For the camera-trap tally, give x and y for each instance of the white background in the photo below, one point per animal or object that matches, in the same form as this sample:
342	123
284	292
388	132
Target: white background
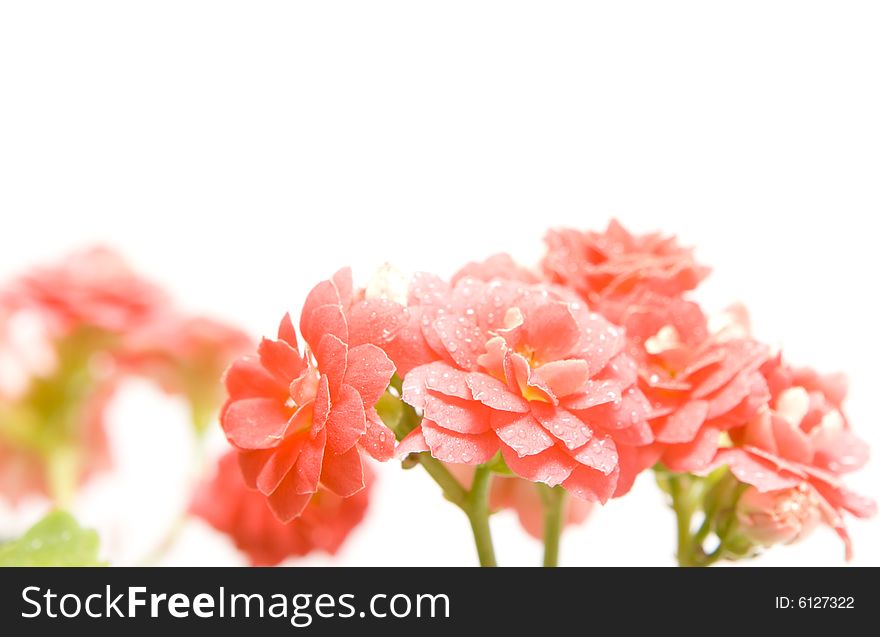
239	152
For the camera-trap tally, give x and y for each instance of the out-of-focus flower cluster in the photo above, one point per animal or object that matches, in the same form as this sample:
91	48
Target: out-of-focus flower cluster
69	334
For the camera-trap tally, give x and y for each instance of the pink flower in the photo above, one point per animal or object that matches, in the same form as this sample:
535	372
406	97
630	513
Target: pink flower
615	263
297	418
91	289
522	370
523	498
696	393
229	506
801	439
779	517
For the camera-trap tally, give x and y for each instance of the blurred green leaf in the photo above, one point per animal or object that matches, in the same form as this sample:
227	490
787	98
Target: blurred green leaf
56	540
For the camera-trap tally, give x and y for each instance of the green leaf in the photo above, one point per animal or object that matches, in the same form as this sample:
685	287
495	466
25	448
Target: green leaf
56	540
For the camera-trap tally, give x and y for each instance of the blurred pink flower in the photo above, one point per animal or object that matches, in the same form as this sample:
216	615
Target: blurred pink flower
90	289
298	418
801	438
227	504
615	263
523	370
522	497
779	517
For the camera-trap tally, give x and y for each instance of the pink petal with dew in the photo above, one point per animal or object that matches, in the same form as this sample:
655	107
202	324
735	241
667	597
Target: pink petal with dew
331	356
414	442
600	340
563	424
378	440
440	377
693	456
638	435
521	432
595	392
590	485
564	377
551	466
343	474
551	331
347	421
335	291
755	471
683	424
628	412
838	451
599	454
368	370
451	446
325	320
462	340
731	395
455	414
621	369
375	321
255	423
495	394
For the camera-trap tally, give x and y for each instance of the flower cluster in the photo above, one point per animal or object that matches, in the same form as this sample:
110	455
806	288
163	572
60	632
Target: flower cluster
545	391
580	375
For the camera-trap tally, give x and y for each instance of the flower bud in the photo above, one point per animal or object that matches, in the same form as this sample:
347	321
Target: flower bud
778	517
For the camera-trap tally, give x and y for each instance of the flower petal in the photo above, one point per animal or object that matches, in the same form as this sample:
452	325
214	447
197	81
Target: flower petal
520	432
551	331
255	423
564	377
683	424
378	440
495	394
347	421
563	424
695	455
455	414
368	370
551	466
343	473
593	486
286	503
332	356
599	454
451	446
307	470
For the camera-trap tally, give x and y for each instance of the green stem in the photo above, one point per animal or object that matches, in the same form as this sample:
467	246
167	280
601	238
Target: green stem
554	515
477	510
452	489
683	514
